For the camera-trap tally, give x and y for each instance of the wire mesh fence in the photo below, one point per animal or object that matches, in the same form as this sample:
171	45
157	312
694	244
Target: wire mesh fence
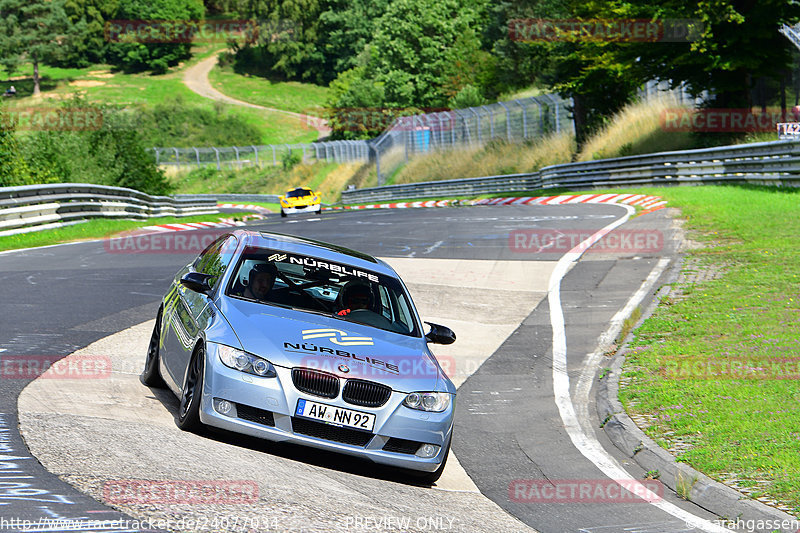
512	121
265	155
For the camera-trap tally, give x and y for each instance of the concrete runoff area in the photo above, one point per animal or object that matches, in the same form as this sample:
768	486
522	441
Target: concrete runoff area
298	489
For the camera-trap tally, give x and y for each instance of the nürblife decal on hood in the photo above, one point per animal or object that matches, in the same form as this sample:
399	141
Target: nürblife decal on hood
332	267
313	349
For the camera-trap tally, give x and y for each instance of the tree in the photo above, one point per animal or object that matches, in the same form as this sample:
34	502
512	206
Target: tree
90	45
737	44
35	31
346	27
288	37
412	47
135	54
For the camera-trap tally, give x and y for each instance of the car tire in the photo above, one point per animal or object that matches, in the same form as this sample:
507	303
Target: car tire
429	478
319	210
283	213
151	375
192	392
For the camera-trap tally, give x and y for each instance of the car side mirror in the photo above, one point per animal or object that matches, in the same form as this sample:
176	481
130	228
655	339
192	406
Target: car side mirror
197	282
440	334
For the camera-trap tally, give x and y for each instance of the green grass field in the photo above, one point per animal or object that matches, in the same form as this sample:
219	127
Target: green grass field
96	229
101	84
293	96
714	371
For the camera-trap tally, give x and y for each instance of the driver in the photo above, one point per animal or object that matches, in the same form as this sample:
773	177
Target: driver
262	278
355	296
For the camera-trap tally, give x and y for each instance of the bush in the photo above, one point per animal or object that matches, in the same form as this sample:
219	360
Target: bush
290	159
114	154
132	54
468	96
174	123
14	170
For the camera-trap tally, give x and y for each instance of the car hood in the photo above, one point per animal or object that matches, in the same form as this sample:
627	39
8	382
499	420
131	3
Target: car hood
291	338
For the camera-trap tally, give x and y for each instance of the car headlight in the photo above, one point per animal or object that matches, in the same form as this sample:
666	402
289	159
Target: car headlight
428	401
245	362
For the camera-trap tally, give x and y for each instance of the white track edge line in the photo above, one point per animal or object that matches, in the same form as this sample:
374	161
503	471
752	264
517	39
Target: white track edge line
590	447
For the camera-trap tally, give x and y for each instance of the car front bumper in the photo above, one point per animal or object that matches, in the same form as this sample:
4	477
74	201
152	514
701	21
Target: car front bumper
264	408
302	209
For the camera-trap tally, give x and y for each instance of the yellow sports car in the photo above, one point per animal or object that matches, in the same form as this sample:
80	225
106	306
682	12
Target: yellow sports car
300	200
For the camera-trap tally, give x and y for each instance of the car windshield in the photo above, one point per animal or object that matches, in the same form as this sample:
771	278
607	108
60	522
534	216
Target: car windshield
298	193
334	289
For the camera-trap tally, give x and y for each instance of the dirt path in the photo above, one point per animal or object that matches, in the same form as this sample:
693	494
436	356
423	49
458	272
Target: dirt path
196	79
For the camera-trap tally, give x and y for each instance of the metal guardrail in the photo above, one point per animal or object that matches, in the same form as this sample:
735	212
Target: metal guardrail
771	163
38	207
232	198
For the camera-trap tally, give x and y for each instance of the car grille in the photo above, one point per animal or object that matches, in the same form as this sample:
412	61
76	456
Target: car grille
253	414
401	446
329	432
315	382
365	393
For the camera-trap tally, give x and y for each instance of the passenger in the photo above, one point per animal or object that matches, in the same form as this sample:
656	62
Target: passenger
261	279
355	295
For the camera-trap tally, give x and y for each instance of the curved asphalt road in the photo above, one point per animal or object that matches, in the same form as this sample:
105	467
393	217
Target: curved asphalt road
62	298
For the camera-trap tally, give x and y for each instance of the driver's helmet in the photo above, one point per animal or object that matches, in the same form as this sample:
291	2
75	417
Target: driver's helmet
355	294
263	268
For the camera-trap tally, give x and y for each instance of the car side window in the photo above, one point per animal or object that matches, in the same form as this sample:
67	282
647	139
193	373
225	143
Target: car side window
214	260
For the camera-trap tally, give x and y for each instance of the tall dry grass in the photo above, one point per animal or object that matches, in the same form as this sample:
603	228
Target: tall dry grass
637	129
495	158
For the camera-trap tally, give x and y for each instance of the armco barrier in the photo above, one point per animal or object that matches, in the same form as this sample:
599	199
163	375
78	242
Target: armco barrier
37	207
770	163
232	198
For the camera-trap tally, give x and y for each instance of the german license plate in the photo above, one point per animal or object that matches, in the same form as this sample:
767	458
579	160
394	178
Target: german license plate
337	416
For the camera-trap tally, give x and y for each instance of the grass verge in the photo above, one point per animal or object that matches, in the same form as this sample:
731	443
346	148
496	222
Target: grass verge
104	84
298	97
95	229
329	179
712	374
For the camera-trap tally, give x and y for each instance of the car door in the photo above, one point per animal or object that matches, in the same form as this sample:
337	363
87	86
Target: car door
189	310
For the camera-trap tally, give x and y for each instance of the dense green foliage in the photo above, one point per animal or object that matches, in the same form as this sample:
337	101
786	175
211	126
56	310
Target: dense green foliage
384	58
175	123
109	151
134	55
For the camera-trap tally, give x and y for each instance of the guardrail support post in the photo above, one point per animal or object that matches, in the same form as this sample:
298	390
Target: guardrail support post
197	156
255	151
177	159
238	163
219	167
